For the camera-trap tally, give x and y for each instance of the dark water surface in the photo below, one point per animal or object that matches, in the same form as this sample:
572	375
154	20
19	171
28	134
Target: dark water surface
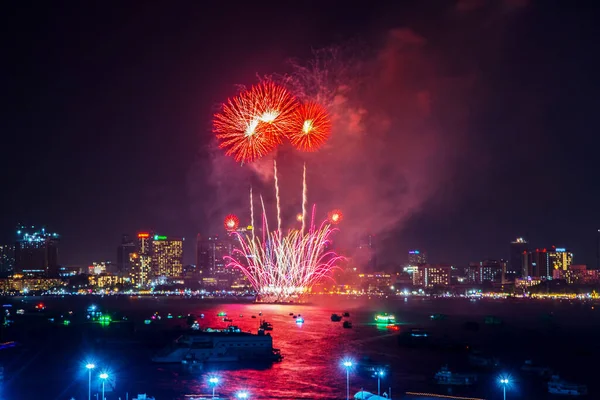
49	364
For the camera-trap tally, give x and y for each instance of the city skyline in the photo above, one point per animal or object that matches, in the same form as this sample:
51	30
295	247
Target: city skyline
86	106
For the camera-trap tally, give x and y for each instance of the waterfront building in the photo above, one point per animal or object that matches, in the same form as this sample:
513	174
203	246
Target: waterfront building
210	261
124	251
106	280
492	271
431	275
166	257
7	259
515	264
574	274
416	257
36	252
98	268
376	281
21	283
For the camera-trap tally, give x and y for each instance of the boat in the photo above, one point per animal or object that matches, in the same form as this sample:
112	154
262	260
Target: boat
291	313
445	377
385	318
413	337
346	314
476	359
227	320
529	366
143	397
254	316
438	317
267	326
222	314
219	345
556	385
347	324
336	318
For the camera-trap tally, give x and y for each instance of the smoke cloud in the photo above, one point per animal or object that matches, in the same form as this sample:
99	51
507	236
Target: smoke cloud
400	113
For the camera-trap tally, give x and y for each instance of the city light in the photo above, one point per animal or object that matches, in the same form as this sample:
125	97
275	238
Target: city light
104	377
214	381
348	364
242	395
380	374
90	367
504	381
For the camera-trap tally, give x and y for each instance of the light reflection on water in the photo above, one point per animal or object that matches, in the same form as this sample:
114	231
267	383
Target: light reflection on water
311	368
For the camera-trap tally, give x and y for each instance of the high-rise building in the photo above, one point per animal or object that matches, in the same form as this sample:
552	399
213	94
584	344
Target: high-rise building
167	256
559	259
141	260
211	263
540	267
487	271
515	260
364	257
7	259
124	251
428	275
36	252
416	257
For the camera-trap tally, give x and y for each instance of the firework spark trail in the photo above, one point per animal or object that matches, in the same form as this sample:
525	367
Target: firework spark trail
304	199
252	213
286	266
283	266
277	196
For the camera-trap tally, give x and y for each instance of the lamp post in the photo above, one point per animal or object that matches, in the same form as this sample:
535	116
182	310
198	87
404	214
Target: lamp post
242	395
90	367
504	382
104	377
380	374
347	364
214	381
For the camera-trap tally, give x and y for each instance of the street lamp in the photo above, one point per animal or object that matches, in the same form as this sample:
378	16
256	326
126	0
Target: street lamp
347	364
214	381
504	382
242	395
104	377
380	374
90	367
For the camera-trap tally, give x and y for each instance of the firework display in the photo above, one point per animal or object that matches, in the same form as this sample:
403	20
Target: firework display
335	216
311	128
253	123
231	222
282	267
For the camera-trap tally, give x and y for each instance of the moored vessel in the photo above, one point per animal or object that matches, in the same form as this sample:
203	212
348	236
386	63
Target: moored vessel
556	385
220	345
445	377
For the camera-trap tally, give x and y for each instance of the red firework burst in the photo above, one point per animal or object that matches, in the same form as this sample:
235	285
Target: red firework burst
253	123
231	222
312	127
335	216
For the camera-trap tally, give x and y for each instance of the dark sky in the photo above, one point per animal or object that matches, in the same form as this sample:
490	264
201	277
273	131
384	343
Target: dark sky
107	109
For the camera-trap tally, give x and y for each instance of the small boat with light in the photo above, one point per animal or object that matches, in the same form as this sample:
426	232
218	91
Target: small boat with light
336	318
347	324
385	318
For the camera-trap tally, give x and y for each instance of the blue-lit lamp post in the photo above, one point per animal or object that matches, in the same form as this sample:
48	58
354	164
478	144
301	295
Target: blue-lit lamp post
90	367
504	382
380	374
104	377
242	395
214	381
347	364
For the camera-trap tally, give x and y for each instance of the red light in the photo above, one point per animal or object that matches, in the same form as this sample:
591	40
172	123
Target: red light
143	235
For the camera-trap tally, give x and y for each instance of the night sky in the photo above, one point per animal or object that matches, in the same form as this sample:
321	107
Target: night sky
106	120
